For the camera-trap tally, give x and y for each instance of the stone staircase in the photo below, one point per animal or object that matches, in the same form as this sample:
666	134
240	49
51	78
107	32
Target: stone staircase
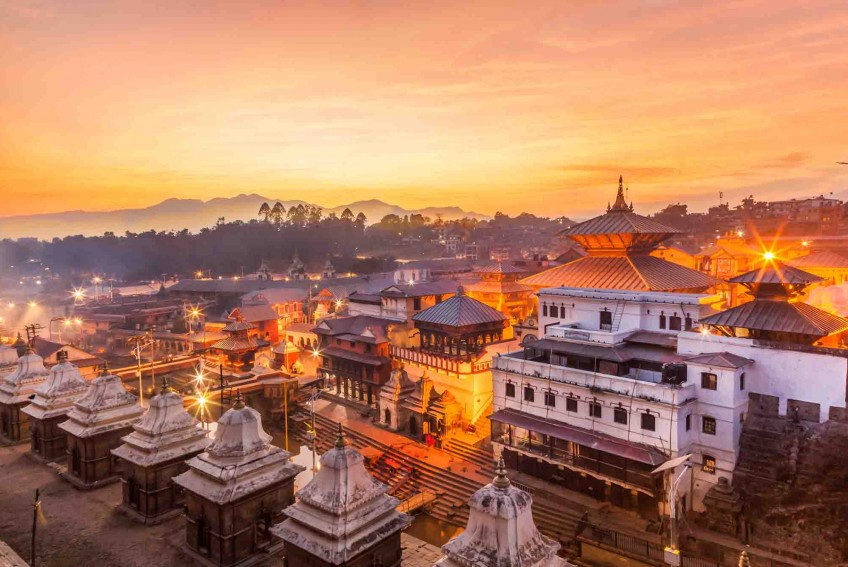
553	517
474	454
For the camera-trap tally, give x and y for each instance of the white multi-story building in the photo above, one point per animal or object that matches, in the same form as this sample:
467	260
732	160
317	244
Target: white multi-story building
621	382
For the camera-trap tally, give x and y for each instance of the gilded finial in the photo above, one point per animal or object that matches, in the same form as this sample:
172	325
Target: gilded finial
104	370
340	440
62	356
239	403
166	386
501	480
743	559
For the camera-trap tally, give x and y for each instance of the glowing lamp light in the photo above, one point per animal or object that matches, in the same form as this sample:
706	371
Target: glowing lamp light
705	331
805	243
199	274
768	256
33	304
11	304
78	321
740	233
315	353
97	279
78	294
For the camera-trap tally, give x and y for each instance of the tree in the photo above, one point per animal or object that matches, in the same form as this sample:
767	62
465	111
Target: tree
360	221
347	215
265	212
390	219
277	213
313	215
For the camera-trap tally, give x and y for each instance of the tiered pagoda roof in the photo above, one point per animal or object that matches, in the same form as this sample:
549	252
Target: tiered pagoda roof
618	246
460	311
22	382
343	511
821	259
57	395
501	531
775	311
240	460
166	432
105	406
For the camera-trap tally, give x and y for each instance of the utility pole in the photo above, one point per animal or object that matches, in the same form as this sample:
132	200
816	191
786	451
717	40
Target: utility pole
221	385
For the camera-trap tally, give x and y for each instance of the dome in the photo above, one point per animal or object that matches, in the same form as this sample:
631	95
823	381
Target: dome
21	382
501	531
239	432
343	483
63	387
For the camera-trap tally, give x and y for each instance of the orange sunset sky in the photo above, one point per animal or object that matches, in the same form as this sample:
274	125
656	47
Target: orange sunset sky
513	106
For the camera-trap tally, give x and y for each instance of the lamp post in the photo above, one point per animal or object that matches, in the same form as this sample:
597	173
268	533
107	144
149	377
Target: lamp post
672	552
221	385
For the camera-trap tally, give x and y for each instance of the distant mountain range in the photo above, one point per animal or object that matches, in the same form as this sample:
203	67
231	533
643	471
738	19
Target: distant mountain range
193	214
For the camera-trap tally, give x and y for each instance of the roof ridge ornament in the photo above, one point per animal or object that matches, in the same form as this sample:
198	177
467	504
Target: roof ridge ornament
166	386
104	370
340	440
239	403
620	203
501	480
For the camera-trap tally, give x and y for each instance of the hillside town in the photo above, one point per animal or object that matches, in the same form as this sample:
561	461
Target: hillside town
534	392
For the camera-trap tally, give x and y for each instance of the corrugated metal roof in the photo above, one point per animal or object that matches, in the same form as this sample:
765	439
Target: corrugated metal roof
643	273
593	439
254	313
237	326
499	287
776	273
460	311
780	316
721	359
820	259
237	344
356	327
420	289
619	222
363	358
499	268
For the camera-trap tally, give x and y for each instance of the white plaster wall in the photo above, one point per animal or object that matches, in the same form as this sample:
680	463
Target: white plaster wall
787	374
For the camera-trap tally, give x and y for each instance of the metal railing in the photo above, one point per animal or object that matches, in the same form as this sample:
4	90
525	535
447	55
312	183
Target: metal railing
638	547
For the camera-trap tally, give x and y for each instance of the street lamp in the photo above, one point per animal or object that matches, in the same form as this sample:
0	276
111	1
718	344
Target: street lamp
672	552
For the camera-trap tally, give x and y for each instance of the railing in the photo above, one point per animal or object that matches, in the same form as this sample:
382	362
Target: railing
453	365
583	463
621	385
638	547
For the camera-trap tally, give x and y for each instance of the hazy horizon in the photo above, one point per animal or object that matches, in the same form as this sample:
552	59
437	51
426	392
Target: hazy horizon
501	107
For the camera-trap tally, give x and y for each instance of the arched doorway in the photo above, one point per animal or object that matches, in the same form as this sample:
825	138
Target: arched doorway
387	416
413	426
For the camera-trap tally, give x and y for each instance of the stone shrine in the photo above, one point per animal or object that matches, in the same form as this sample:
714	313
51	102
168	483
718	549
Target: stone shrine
501	531
343	517
15	391
50	406
95	425
155	452
235	492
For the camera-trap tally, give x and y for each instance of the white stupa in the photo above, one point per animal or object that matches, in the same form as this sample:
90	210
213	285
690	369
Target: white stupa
106	406
240	460
56	396
21	383
167	431
343	513
501	531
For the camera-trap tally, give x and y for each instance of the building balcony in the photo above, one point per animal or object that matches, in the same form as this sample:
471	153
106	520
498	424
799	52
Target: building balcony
604	335
636	386
441	362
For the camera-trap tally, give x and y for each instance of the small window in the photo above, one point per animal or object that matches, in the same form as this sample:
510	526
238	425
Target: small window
649	421
606	319
529	394
688	422
550	399
709	464
742	382
688	322
662	320
571	404
619	415
510	390
674	323
709	381
416	303
709	426
554	311
545	309
595	409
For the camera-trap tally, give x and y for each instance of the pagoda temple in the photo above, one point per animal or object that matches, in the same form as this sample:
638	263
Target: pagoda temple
499	288
501	531
393	394
95	425
155	452
776	312
15	391
238	348
430	413
343	517
236	491
618	248
50	406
